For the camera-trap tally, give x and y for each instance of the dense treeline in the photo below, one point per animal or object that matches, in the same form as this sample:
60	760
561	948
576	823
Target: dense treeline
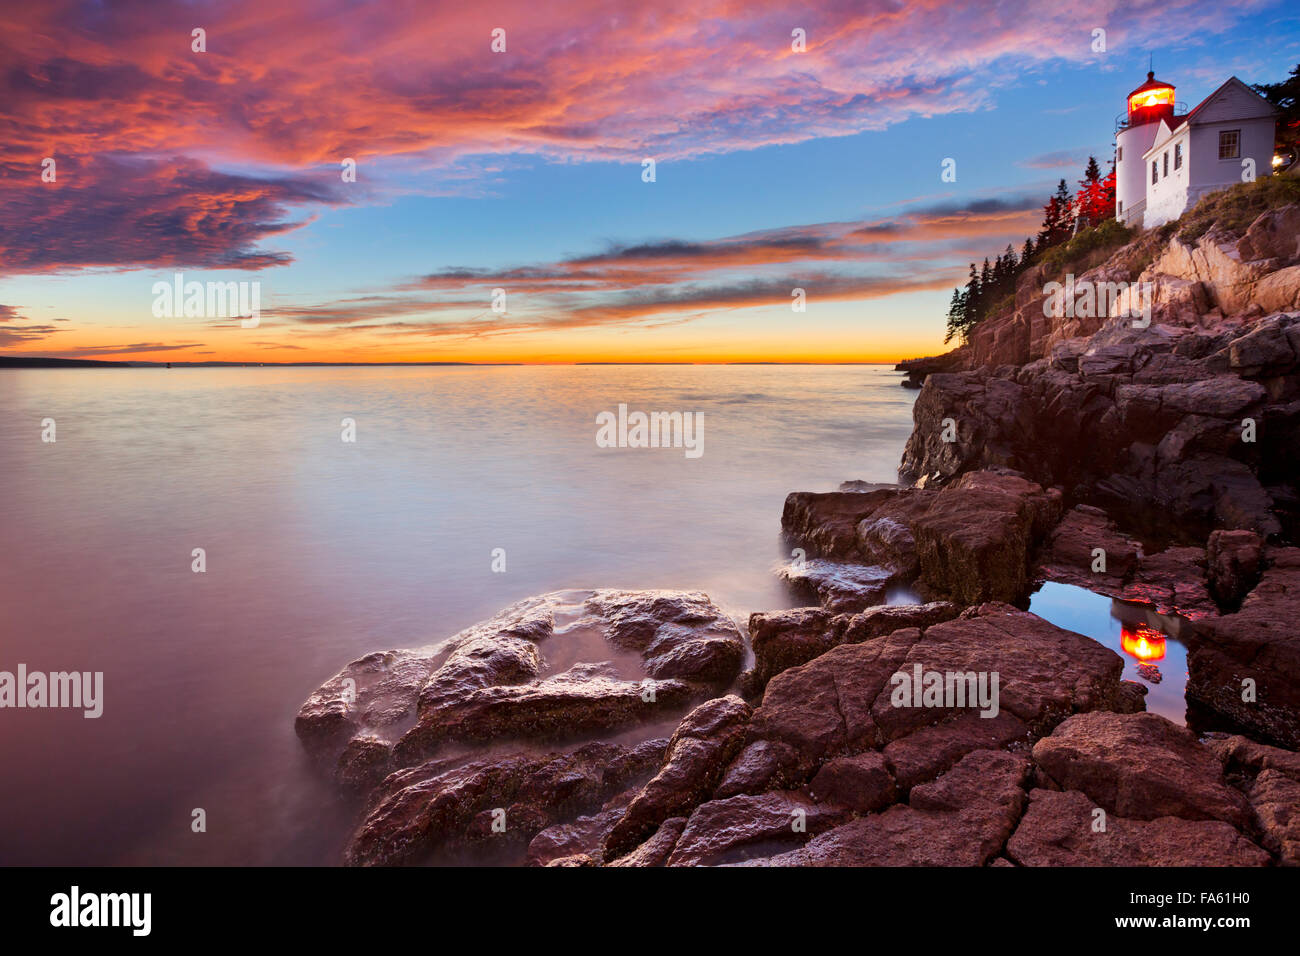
1063	215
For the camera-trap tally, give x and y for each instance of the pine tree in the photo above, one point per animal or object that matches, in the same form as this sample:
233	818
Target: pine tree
956	311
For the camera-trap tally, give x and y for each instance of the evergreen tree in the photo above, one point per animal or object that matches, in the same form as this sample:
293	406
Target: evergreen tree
1286	97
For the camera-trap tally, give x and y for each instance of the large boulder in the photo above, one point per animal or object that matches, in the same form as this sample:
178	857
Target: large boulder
976	539
785	639
443	805
843	702
1141	766
562	666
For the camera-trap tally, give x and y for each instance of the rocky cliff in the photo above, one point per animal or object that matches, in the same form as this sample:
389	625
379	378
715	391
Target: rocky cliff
1179	426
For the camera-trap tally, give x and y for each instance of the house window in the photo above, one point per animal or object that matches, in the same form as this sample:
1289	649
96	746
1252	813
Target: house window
1166	172
1120	156
1119	206
1229	144
1178	155
1155	172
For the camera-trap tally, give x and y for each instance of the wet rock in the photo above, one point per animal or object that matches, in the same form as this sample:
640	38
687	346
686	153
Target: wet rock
444	804
861	782
582	837
840	702
761	765
698	753
1060	829
1235	559
1139	766
975	540
963	819
930	751
647	653
785	639
825	524
1070	555
748	826
656	850
838	587
1173	582
1245	667
885	538
372	695
1150	673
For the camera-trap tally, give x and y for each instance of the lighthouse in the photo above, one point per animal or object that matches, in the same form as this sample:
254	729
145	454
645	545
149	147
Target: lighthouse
1135	132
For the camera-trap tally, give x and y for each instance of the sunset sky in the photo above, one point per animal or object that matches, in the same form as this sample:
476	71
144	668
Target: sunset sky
522	170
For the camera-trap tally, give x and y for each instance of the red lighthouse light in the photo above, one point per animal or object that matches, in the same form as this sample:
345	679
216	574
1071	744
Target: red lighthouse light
1150	102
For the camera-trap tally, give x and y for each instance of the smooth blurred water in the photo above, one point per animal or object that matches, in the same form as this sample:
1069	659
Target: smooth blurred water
319	551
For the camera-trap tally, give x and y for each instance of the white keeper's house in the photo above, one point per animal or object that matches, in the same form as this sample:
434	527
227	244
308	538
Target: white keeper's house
1167	158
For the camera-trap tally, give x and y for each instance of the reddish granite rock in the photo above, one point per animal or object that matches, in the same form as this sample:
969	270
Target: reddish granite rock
825	523
841	701
975	540
584	836
743	827
861	782
1235	559
930	751
656	850
1259	644
761	765
885	538
1275	798
1270	778
820	709
1245	757
785	639
1139	766
879	621
1069	556
654	652
1045	673
698	753
836	586
1173	582
443	804
373	695
1058	830
962	819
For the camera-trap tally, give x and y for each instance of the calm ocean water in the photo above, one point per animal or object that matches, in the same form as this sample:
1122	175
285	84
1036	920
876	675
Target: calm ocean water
319	551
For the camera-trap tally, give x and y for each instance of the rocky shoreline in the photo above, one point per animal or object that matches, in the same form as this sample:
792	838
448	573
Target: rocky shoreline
1155	464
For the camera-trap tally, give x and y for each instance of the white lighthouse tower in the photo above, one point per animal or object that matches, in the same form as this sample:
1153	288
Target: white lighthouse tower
1135	132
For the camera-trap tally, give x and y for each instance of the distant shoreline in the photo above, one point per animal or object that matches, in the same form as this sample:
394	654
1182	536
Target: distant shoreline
13	361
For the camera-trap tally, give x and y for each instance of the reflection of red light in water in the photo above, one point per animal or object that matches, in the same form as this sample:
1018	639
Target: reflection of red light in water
1143	642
